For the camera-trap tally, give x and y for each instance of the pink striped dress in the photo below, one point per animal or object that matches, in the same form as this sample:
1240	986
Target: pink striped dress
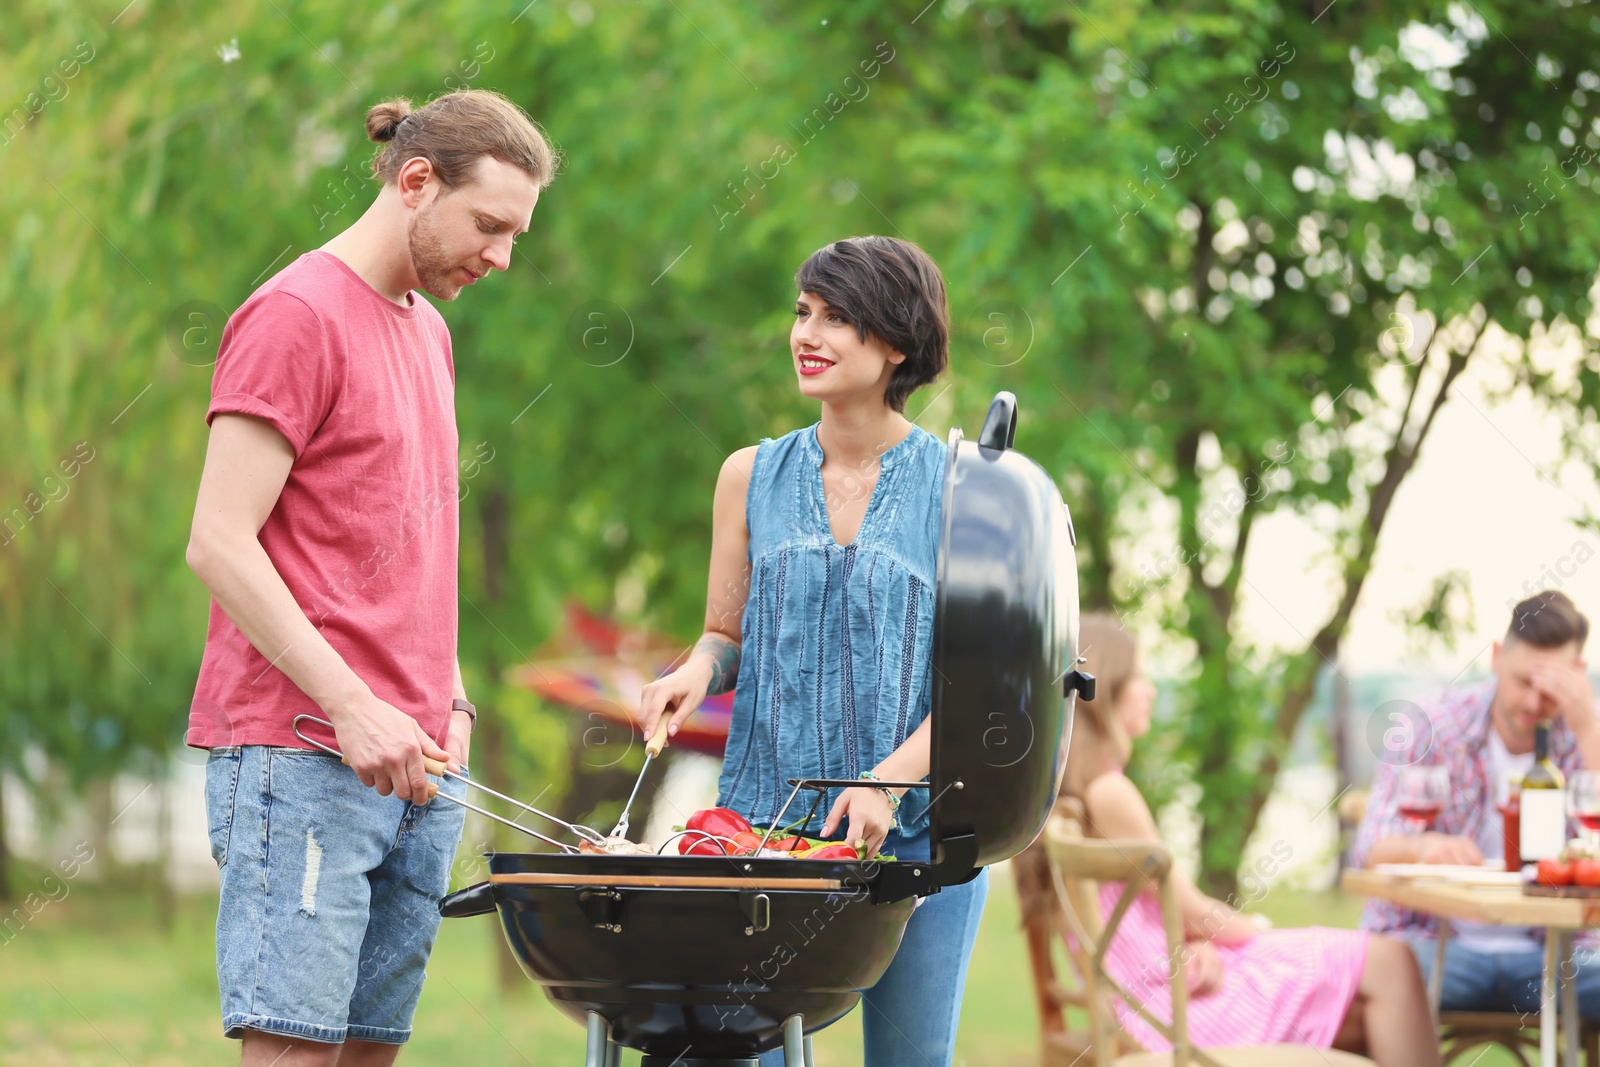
1289	987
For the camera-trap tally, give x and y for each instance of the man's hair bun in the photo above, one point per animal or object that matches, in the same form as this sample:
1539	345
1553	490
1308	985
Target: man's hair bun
383	120
453	132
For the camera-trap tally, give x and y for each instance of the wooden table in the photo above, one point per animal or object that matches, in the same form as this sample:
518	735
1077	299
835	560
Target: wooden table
1502	906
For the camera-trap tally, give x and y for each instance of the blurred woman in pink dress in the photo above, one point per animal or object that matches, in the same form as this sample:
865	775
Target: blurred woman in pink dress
1248	984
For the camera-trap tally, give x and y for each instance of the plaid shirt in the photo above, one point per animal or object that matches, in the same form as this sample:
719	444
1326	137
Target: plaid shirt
1460	725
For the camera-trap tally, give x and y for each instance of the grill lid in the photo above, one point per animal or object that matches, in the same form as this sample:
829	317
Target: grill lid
1005	650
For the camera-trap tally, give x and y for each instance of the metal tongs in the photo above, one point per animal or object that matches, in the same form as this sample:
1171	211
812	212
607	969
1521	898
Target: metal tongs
435	767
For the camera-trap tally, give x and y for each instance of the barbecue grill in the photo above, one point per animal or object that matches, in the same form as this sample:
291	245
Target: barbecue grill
707	961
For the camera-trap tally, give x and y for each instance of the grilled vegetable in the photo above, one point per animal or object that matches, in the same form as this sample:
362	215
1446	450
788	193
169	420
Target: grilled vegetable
722	822
789	844
701	843
831	852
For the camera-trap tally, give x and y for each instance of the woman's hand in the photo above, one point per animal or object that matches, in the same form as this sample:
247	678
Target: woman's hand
869	816
1202	968
672	698
1223	925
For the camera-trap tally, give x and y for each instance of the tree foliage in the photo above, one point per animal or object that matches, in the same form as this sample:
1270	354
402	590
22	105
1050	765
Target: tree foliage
1204	244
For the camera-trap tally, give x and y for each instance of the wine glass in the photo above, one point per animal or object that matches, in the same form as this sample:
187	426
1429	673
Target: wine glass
1422	793
1583	802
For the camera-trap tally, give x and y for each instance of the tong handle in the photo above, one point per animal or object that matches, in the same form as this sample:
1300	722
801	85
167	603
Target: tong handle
433	766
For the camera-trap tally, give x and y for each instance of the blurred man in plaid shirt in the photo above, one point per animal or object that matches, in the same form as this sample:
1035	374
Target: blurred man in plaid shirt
1484	734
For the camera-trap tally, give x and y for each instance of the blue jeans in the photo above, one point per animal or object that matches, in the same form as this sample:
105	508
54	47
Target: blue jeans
909	1018
1505	981
330	895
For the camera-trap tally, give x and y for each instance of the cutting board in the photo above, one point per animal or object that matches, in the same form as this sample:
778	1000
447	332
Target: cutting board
1567	892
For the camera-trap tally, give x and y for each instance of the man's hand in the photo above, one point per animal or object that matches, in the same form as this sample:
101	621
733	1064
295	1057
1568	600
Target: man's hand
1202	968
1448	848
1568	687
385	747
459	742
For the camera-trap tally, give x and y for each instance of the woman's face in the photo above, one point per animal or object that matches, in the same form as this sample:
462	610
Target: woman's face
830	358
1135	702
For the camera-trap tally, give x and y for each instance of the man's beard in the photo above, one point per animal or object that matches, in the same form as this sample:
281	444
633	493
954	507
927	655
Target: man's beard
428	258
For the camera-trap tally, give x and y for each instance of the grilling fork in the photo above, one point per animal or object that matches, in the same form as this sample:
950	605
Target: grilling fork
652	749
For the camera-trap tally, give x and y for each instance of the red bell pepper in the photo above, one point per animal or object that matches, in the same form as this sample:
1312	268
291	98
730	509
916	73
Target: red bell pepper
703	844
788	844
720	821
833	852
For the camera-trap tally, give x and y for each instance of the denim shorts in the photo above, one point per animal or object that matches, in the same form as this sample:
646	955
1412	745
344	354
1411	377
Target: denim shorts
330	895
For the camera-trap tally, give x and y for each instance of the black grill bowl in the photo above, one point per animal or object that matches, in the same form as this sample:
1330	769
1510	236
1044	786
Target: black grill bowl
681	977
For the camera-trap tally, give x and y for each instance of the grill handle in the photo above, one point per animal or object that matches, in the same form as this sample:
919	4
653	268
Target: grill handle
473	900
1000	426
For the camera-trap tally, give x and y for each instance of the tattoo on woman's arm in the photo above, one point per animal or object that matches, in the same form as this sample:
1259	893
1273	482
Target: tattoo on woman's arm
724	662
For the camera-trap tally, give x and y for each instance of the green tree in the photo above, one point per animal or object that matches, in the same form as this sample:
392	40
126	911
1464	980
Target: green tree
1182	237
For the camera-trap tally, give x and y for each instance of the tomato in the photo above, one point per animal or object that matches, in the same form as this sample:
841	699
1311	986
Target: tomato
746	841
833	852
720	821
788	844
1554	872
698	844
1586	872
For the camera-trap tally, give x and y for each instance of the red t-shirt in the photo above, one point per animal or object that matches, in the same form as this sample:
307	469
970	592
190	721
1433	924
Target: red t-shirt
365	530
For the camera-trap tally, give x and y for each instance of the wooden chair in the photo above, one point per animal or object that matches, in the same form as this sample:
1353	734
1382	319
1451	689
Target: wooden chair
1055	995
1460	1032
1076	865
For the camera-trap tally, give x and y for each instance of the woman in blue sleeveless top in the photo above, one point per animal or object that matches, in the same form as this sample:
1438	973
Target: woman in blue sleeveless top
820	611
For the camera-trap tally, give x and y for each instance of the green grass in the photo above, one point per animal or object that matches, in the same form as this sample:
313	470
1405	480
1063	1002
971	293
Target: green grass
92	982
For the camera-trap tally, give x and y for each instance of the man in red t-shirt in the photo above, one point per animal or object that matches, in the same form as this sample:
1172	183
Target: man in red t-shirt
326	530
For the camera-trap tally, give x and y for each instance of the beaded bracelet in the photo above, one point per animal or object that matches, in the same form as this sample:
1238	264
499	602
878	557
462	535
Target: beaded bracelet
894	801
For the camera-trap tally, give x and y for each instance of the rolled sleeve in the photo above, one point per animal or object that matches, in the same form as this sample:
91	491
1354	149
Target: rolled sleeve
277	363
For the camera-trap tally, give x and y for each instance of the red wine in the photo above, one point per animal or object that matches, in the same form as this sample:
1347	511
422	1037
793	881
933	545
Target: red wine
1419	813
1591	822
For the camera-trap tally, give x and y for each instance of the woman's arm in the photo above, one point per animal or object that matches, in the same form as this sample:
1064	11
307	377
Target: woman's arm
713	665
1116	810
865	811
911	761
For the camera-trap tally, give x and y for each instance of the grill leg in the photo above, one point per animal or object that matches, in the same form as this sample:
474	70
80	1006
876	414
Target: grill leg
810	1061
613	1054
794	1042
597	1053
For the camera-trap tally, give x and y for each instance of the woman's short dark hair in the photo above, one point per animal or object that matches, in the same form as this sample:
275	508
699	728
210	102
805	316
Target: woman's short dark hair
890	290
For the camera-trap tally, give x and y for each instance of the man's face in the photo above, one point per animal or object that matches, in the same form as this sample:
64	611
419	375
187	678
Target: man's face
1519	703
460	234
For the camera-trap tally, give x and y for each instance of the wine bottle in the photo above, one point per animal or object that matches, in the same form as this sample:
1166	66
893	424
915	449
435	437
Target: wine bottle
1543	817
